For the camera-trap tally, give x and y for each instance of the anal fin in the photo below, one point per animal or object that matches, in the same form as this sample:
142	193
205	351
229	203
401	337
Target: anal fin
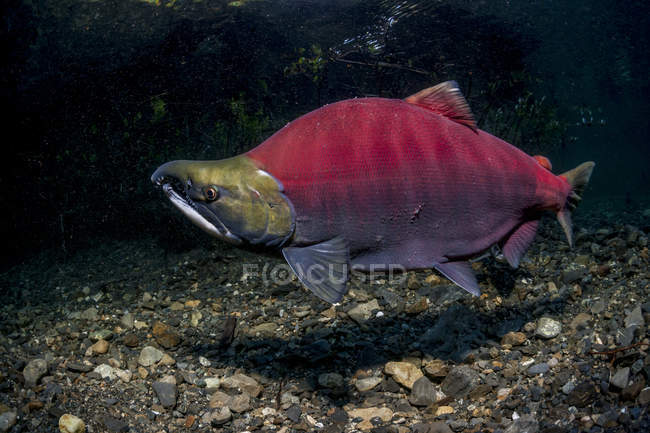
322	268
461	274
519	241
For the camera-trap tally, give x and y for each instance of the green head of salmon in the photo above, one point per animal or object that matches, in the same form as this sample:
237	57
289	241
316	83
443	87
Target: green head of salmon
230	199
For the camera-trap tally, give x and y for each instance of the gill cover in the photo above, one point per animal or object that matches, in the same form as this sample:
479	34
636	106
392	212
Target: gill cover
231	199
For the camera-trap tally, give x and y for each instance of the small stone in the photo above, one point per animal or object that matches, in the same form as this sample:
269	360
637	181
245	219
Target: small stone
105	371
212	382
195	318
33	371
217	417
167	360
444	410
242	382
219	399
100	334
363	312
89	314
540	368
568	387
598	307
367	414
423	392
503	393
418	306
100	347
330	380
240	403
368	383
524	424
114	424
581	321
165	335
265	330
71	424
514	338
460	381
204	361
644	396
403	373
634	317
582	395
293	413
434	427
548	328
149	356
630	393
7	421
166	393
128	320
130	340
620	378
436	369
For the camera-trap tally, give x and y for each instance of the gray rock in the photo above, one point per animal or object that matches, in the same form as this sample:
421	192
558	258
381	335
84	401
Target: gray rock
608	419
525	424
367	383
128	320
100	334
435	427
634	317
620	378
114	424
626	337
423	392
548	328
106	371
293	413
7	421
266	329
568	387
460	381
363	312
149	356
330	380
598	307
166	393
540	368
33	371
89	314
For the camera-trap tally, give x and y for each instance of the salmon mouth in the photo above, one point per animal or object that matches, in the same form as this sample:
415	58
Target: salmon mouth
199	213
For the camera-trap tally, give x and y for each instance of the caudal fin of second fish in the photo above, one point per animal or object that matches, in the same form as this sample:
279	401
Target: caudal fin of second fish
578	178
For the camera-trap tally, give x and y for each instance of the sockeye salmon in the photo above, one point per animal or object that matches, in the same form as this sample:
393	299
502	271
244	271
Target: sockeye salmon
371	183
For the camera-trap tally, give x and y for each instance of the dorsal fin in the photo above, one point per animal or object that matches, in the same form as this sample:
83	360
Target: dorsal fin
447	100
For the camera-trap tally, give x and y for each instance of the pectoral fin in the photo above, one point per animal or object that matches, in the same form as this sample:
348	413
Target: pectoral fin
322	268
460	273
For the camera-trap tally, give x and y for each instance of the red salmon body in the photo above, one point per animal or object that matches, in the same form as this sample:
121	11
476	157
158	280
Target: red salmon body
404	185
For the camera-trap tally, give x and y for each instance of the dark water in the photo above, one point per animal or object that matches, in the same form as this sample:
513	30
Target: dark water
100	93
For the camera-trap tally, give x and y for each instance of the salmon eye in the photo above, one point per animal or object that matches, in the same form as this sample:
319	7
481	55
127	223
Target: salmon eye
211	193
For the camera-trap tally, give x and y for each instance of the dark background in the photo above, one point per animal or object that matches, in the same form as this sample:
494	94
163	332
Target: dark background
99	93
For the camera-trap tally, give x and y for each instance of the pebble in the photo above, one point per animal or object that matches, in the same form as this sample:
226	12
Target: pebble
644	396
620	378
330	380
149	356
33	371
128	320
524	424
71	424
105	371
165	335
368	383
7	421
217	417
212	383
265	330
460	381
423	392
367	414
242	382
582	395
435	427
293	413
240	403
89	314
114	424
363	312
403	373
100	347
436	369
548	328
634	317
100	334
540	368
444	410
166	393
514	338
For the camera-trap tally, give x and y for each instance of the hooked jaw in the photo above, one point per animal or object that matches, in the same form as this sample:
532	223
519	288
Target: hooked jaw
175	180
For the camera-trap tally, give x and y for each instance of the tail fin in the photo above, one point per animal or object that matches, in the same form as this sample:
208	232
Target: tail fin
578	178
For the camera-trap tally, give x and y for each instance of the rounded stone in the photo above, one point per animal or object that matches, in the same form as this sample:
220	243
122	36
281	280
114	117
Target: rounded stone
548	328
71	424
